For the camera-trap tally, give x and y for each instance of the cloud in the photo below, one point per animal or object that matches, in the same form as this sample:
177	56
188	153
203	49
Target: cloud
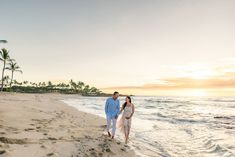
225	80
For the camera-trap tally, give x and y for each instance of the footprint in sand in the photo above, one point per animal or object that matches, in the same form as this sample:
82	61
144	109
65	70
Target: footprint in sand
93	154
103	126
29	129
13	141
43	146
3	152
108	150
100	154
52	154
11	129
52	138
86	155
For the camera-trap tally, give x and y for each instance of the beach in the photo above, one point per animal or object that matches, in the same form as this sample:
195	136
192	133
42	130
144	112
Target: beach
42	125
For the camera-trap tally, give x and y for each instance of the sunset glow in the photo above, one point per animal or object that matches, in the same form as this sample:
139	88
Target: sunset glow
218	81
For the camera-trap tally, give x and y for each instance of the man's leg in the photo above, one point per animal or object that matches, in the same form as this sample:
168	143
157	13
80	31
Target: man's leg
108	125
114	121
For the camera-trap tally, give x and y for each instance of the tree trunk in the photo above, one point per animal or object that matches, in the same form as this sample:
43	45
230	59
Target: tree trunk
11	77
4	64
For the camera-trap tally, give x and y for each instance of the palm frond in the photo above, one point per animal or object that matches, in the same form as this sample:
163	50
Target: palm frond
19	71
4	54
3	41
12	60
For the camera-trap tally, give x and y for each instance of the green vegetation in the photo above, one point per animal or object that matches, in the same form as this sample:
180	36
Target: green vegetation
9	84
42	87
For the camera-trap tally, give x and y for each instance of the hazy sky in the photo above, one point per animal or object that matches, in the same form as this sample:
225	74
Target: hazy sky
122	43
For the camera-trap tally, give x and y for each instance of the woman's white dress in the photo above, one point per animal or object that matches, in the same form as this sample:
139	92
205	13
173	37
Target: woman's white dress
122	123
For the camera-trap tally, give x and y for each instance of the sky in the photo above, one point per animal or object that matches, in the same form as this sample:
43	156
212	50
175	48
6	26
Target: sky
144	47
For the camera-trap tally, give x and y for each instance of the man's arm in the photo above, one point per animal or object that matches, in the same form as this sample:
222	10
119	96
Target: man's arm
118	109
106	106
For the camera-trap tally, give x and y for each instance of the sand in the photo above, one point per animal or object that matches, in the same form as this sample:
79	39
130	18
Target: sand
40	125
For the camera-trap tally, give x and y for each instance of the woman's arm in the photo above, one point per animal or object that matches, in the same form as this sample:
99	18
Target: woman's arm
122	108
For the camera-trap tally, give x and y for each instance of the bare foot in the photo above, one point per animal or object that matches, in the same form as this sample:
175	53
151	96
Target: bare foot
126	141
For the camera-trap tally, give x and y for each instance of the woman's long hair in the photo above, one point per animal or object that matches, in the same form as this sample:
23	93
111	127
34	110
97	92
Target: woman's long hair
124	105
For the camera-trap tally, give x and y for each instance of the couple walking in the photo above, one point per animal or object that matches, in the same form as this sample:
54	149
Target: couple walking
120	118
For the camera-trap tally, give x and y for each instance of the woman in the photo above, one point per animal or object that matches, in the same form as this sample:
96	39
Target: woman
124	121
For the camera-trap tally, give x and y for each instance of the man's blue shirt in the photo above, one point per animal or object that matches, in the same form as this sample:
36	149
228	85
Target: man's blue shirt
112	107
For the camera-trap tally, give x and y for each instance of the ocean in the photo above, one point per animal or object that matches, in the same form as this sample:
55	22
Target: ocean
175	126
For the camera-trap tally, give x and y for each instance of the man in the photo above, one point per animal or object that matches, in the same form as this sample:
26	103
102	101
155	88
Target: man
112	108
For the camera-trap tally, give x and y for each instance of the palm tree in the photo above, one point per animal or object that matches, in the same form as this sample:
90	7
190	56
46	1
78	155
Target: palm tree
6	80
13	67
73	85
17	83
3	41
4	56
25	82
93	90
80	85
43	84
49	84
86	89
61	85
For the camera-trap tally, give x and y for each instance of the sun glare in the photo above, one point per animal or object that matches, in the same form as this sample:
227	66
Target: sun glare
199	75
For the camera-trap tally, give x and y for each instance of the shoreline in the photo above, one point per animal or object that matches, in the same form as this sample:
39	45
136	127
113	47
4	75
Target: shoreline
42	125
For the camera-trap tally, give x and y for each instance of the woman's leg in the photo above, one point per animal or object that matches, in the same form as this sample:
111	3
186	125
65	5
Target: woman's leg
128	132
125	132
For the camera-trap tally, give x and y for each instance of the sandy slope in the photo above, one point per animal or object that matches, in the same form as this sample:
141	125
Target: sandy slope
38	125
